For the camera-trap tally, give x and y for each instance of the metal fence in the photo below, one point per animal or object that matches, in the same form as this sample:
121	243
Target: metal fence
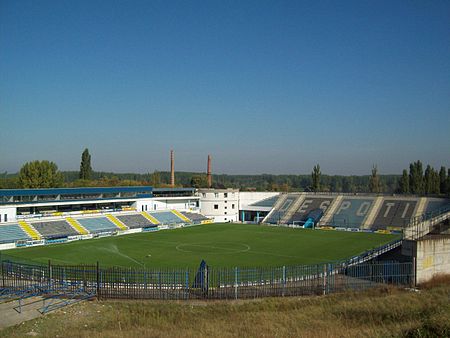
418	226
207	283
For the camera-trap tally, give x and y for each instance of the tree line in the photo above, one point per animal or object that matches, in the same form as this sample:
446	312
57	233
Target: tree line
45	174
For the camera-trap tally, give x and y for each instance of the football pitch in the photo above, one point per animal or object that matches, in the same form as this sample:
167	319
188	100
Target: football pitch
220	245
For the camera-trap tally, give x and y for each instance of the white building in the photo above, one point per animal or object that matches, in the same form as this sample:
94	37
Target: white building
221	205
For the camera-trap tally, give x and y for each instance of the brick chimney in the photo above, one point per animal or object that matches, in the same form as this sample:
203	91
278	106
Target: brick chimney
172	169
208	175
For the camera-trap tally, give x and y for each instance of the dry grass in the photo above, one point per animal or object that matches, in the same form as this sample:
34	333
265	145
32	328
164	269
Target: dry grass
386	312
437	280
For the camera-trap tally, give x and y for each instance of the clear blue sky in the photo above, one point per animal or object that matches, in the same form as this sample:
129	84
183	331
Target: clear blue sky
263	86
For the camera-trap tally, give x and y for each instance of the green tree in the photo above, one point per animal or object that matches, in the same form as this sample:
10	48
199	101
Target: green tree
447	186
155	179
443	180
404	183
315	177
374	181
416	182
428	180
348	185
85	166
199	181
436	184
40	174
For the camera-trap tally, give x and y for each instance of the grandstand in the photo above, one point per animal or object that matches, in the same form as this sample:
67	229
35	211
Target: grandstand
135	221
12	233
40	216
357	212
194	218
55	229
167	217
97	224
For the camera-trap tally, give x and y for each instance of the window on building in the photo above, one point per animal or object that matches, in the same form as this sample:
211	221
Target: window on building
225	207
225	194
216	206
216	194
204	194
5	218
225	212
232	206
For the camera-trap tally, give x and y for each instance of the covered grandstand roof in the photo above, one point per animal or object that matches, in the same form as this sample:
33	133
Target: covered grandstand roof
8	196
74	191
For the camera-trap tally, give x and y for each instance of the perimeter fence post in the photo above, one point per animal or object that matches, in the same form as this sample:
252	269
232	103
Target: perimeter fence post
414	273
98	280
1	267
235	283
187	284
49	274
284	280
324	279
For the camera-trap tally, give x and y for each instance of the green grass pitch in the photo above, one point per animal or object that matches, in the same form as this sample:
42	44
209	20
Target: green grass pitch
221	245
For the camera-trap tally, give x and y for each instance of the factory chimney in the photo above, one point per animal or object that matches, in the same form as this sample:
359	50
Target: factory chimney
172	169
208	175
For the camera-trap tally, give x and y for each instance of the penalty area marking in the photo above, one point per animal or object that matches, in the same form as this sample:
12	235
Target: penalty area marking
244	247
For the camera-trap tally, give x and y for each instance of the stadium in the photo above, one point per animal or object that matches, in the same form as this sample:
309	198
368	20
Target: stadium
326	212
172	243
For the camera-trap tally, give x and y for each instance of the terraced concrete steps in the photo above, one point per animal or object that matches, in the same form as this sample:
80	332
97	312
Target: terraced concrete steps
326	218
152	219
28	228
180	215
293	208
118	223
77	226
276	206
373	212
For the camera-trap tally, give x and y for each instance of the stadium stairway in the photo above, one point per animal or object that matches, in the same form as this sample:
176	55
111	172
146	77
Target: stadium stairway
373	213
422	225
293	208
181	216
371	254
152	219
77	226
28	228
118	223
421	206
279	203
331	211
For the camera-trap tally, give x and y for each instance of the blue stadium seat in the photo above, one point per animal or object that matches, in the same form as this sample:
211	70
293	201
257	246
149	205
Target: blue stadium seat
135	221
55	229
195	218
167	217
97	224
11	233
351	213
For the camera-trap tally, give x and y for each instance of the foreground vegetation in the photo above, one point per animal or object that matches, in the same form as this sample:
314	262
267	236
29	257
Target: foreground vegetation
385	312
221	245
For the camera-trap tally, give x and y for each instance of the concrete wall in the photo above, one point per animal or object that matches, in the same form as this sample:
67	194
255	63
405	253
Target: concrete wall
433	257
221	205
178	203
249	197
7	214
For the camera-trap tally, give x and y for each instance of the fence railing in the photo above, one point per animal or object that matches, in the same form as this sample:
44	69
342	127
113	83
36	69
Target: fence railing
418	226
209	283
